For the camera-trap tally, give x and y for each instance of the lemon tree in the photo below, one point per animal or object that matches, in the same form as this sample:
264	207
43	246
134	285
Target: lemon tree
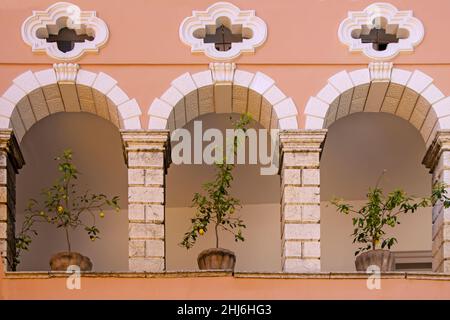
217	206
64	207
382	211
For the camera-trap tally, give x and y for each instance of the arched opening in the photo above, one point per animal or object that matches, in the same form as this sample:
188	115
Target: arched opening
357	150
210	96
411	96
260	200
97	151
48	96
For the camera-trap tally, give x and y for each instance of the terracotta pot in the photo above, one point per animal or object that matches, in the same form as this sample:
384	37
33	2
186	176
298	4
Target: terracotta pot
384	259
62	260
216	259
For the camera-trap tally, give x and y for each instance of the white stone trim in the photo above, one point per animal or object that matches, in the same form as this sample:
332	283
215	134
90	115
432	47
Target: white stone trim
65	72
283	106
46	77
200	19
317	106
243	78
404	19
27	82
328	94
432	94
341	81
360	77
104	83
86	78
40	19
274	95
205	78
172	96
400	76
222	71
261	83
184	83
380	71
419	81
128	109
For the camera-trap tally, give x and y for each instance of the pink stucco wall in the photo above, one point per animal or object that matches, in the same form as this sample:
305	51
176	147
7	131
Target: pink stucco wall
144	52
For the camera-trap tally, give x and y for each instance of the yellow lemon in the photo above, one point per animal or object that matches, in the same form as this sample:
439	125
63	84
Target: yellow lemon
60	209
102	214
201	232
42	213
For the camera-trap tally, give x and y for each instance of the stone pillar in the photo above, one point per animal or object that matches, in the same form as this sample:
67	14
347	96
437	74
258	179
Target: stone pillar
11	160
147	156
300	199
437	159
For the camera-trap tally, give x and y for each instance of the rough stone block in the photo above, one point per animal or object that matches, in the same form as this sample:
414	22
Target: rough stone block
154	248
302	265
311	213
301	194
136	248
301	159
154	213
311	177
136	176
306	231
136	212
311	249
146	231
146	194
146	264
292	212
292	249
292	176
145	159
154	177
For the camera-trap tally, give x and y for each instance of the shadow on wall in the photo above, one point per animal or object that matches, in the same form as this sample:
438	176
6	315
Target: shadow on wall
98	155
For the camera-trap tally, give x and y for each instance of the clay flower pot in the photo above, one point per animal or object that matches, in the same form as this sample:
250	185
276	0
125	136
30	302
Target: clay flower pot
384	259
216	259
62	260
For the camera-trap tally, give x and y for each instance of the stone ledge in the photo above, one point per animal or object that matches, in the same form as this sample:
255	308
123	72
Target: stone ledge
124	274
238	275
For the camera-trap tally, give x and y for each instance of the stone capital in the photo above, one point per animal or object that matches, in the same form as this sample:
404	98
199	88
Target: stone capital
440	144
302	140
9	144
146	141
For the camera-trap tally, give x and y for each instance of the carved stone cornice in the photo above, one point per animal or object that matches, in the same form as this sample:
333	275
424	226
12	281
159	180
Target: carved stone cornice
302	140
9	144
146	141
440	144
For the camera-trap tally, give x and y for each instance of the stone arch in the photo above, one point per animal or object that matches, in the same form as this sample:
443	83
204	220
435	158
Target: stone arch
190	96
409	95
64	88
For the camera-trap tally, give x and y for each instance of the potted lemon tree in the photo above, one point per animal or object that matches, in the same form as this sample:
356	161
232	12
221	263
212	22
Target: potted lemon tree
217	208
382	211
65	208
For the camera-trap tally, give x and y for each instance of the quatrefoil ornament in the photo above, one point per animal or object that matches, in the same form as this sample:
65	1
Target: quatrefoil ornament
64	31
223	31
381	31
